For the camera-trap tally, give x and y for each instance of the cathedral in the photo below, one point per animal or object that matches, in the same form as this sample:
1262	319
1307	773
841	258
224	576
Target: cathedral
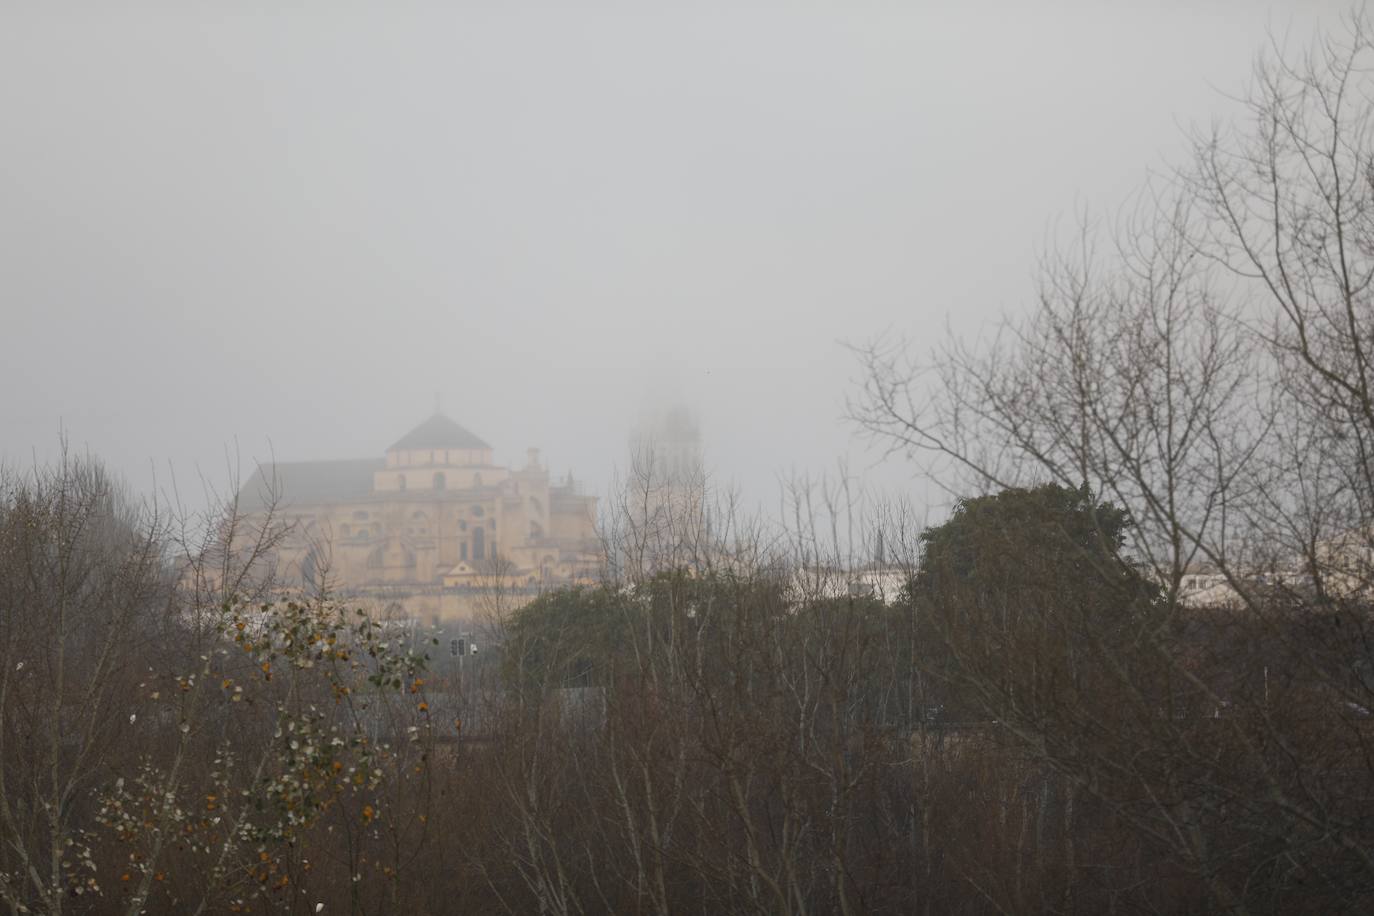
429	528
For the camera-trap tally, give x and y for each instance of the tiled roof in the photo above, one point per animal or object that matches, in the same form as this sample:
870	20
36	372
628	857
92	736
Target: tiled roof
307	483
439	432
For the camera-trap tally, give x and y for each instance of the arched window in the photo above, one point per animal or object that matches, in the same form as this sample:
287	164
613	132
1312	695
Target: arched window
401	482
479	544
439	480
478	511
476	480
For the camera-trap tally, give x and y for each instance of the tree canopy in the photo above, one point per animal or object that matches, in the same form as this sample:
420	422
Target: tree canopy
1029	541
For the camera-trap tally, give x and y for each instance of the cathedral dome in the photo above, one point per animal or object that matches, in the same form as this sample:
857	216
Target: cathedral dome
439	432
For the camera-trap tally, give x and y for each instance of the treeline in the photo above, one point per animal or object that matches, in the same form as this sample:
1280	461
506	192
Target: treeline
171	738
1032	726
1204	365
1047	719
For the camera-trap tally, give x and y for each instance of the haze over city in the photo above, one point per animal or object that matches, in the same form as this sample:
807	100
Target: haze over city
284	229
747	458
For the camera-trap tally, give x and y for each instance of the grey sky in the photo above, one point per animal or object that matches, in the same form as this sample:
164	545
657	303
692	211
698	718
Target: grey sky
247	224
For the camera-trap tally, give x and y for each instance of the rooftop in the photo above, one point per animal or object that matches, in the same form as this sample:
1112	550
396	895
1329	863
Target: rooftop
439	432
305	483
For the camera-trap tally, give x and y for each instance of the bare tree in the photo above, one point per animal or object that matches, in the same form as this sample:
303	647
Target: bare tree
1206	368
87	597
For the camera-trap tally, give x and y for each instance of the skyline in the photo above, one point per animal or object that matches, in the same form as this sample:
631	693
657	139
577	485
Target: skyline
232	235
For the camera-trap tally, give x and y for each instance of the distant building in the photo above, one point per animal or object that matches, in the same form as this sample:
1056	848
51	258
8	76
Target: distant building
430	526
1346	563
1208	590
663	517
885	584
666	447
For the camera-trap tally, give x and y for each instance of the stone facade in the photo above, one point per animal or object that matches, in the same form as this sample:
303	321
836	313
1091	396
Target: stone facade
430	530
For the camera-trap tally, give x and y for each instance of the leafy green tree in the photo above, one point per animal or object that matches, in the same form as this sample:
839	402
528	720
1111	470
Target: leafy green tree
1047	532
566	638
1038	613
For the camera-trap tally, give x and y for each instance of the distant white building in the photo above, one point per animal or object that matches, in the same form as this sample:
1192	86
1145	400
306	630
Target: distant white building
662	519
1346	563
1207	590
823	583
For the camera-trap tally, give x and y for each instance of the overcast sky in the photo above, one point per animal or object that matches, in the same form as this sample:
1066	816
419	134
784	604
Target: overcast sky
254	228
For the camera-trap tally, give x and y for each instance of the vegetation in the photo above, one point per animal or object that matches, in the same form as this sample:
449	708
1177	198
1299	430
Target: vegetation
167	743
1053	716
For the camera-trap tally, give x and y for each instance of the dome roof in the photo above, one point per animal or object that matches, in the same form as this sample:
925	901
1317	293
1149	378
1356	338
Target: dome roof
438	432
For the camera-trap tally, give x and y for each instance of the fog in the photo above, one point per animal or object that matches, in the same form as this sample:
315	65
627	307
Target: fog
227	234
